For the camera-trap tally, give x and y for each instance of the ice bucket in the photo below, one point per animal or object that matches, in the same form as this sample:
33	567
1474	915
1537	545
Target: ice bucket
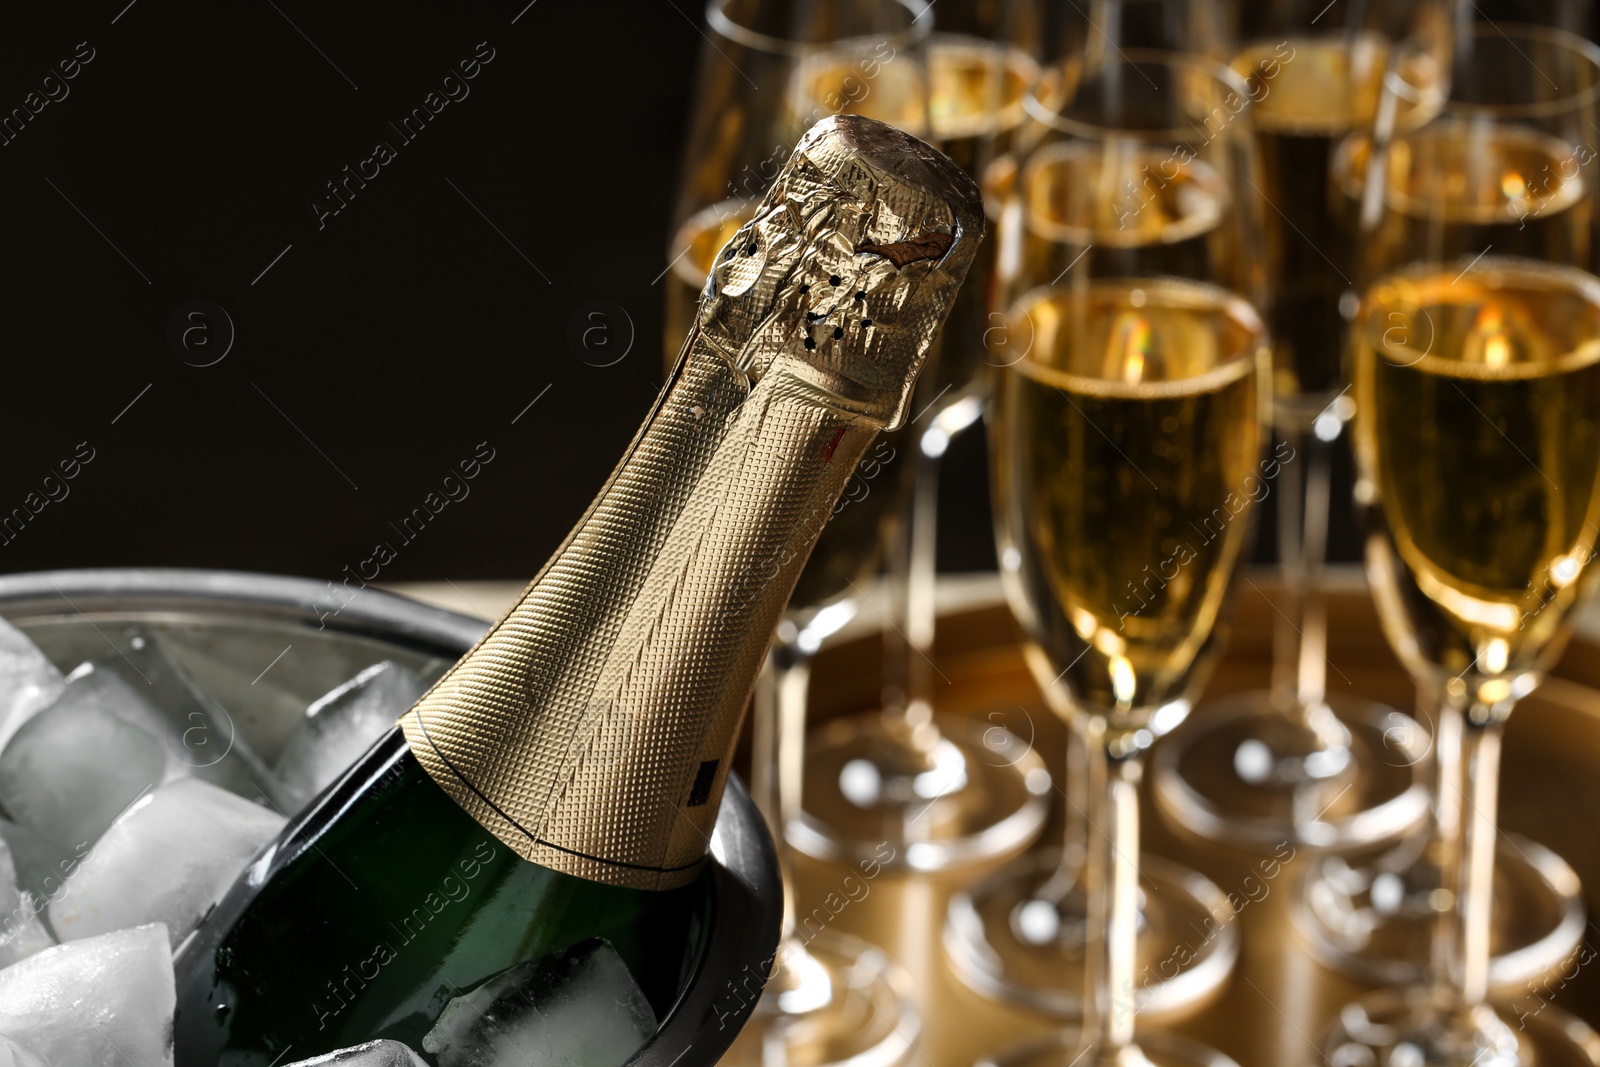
265	646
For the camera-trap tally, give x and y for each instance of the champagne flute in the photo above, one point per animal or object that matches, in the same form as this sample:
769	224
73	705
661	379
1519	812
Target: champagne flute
942	790
1125	441
1296	763
1504	166
830	998
1478	385
1018	935
744	123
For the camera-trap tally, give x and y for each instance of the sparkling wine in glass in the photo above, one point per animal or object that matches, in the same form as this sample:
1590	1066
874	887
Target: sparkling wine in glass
1123	252
1478	441
1139	410
1500	166
1297	763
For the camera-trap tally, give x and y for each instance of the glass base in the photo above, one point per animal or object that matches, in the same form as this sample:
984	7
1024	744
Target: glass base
834	1000
1066	1049
1405	1028
1017	937
967	792
1244	773
1376	920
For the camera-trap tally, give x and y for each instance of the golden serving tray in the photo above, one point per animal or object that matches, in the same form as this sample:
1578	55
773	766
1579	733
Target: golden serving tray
1278	1001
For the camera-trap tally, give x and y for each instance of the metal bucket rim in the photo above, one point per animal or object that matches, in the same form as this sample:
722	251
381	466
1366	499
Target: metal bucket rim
747	894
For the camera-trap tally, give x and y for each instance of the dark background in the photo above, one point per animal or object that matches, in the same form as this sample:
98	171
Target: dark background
386	343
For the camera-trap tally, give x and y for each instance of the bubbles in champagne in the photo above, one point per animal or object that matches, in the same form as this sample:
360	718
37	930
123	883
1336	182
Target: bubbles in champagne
1120	192
1128	450
1468	172
967	88
1317	86
1118	208
1458	187
1485	455
977	86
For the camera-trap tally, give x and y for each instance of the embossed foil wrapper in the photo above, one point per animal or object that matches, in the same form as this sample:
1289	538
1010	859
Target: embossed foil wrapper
592	729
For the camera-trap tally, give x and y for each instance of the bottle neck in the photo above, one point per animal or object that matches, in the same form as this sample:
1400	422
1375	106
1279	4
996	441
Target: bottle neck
591	730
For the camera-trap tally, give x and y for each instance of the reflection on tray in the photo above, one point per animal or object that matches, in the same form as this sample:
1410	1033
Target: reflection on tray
1279	999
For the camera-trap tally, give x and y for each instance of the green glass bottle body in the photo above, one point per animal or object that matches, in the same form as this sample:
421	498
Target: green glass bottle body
383	902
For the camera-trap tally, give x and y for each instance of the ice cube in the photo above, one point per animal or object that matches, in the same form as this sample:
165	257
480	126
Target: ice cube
372	1054
167	859
14	1055
338	728
42	866
10	895
22	934
197	734
28	681
577	1006
103	1002
72	769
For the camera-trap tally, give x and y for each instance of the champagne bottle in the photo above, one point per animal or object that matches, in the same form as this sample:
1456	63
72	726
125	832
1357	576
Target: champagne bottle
560	783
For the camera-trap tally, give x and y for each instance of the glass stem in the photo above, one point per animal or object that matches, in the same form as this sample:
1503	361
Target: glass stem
1075	834
911	578
777	752
922	579
1290	514
1468	758
897	651
1111	875
794	687
1299	670
1311	674
1447	830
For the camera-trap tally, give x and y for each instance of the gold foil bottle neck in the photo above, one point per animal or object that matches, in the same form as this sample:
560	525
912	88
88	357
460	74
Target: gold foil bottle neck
591	730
